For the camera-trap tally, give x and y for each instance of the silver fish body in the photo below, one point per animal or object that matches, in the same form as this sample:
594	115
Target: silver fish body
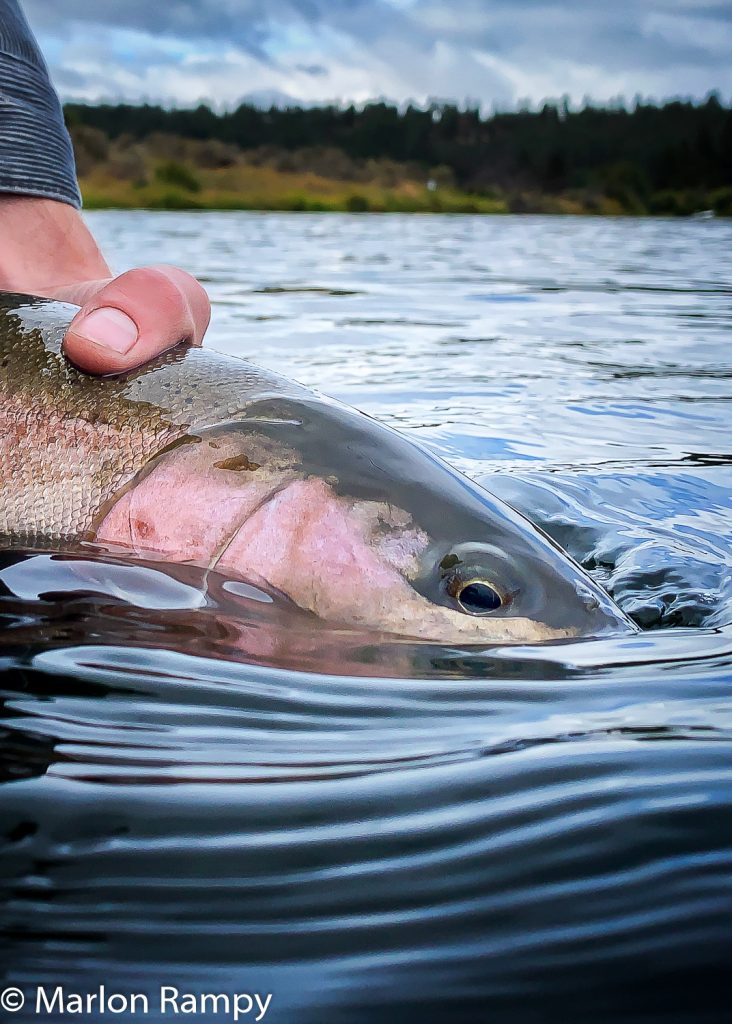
204	458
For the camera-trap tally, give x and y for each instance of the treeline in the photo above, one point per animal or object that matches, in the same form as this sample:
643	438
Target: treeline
675	158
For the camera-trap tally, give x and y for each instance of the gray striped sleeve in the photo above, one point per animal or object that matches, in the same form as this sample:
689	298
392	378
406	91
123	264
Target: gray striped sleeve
36	157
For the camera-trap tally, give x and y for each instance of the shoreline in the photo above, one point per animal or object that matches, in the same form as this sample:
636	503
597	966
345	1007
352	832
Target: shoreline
114	197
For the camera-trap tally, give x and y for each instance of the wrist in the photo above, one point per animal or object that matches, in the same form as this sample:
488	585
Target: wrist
45	245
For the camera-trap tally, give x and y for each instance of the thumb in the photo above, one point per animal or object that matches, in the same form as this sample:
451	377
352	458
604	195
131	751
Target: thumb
131	319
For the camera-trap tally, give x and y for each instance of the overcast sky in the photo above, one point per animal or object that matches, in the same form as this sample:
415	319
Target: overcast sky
491	51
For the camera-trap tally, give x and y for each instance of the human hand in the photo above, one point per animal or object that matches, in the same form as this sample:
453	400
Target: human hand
130	319
124	321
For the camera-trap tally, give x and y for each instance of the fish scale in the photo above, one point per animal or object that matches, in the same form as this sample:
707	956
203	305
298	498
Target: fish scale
69	442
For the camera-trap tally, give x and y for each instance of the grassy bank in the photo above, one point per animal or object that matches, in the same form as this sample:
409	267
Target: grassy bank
171	173
264	188
256	189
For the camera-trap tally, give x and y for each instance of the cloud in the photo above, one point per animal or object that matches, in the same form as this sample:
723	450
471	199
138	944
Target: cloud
493	52
317	70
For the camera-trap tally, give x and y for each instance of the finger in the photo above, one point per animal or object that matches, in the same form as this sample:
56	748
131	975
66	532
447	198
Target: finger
134	318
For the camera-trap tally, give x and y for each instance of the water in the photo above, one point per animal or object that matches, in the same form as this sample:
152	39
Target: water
201	797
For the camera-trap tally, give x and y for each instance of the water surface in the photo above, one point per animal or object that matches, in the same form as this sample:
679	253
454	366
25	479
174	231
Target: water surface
377	832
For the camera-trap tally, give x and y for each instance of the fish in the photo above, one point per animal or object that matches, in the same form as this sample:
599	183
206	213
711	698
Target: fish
205	459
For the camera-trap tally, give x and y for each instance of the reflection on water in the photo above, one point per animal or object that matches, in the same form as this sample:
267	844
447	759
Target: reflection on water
203	786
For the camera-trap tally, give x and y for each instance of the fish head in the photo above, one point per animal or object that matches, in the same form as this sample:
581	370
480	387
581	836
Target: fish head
359	525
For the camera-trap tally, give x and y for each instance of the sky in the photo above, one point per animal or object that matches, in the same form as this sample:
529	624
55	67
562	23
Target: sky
497	53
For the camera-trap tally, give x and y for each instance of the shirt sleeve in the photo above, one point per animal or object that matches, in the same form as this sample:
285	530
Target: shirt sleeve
36	156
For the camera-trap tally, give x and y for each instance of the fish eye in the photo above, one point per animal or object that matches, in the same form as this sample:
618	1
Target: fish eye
475	596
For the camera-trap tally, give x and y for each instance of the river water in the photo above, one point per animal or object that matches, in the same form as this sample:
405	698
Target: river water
539	834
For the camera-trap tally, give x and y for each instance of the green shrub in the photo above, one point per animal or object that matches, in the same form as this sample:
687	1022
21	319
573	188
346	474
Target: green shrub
171	199
297	203
91	147
677	203
357	204
170	172
721	201
626	183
